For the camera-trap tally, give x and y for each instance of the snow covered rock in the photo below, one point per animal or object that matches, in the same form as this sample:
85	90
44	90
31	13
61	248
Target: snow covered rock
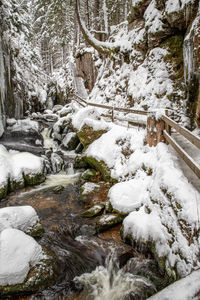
110	154
23	264
107	221
18	169
183	289
89	126
23	218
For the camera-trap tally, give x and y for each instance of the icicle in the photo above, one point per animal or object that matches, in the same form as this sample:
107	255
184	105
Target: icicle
188	57
2	91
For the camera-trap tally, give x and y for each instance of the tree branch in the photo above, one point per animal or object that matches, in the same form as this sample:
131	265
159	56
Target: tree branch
102	47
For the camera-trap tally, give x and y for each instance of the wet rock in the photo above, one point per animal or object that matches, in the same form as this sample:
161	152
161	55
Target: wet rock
93	193
80	162
70	141
56	162
58	189
88	175
93	211
79	148
107	221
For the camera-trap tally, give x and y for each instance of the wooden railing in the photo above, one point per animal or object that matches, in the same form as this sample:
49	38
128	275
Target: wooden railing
161	130
169	123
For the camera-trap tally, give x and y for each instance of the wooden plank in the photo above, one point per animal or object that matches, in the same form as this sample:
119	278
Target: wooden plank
80	98
128	110
184	155
79	102
186	133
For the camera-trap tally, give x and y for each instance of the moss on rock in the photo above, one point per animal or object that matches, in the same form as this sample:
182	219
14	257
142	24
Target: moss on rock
93	211
33	179
107	221
88	135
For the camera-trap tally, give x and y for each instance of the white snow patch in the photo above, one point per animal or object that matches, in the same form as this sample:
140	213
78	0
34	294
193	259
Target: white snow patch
19	217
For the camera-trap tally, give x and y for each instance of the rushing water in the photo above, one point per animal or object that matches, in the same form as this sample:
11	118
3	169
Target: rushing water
110	282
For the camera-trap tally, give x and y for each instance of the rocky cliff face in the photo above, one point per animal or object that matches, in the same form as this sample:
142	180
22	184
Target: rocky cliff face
22	81
158	62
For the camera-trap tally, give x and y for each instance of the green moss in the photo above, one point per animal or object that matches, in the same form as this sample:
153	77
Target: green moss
88	135
93	211
107	221
3	191
34	179
174	45
101	167
88	175
37	230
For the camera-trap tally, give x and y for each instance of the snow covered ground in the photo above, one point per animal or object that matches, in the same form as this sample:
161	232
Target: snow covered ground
162	206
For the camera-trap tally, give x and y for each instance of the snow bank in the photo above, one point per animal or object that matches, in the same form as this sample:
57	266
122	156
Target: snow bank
19	217
18	253
151	180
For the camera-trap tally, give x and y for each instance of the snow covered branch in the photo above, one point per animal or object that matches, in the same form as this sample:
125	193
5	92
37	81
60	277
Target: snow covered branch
102	47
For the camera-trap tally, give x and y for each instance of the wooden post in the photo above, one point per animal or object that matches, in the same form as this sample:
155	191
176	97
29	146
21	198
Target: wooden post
113	114
155	128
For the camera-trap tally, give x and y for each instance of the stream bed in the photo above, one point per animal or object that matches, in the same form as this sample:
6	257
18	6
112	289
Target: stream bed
90	265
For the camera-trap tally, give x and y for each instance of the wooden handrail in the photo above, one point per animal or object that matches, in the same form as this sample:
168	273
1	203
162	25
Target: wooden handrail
183	131
188	160
128	110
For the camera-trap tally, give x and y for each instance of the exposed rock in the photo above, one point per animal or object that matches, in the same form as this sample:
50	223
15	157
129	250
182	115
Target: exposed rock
137	9
107	221
93	193
70	141
88	174
93	211
58	189
88	135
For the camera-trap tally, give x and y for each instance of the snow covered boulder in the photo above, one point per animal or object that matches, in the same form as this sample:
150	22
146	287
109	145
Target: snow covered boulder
18	169
89	126
23	218
61	128
128	196
24	266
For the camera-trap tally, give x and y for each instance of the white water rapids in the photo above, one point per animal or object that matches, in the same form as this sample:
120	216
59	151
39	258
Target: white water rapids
109	282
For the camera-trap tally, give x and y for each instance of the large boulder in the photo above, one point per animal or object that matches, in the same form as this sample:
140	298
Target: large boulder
24	266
